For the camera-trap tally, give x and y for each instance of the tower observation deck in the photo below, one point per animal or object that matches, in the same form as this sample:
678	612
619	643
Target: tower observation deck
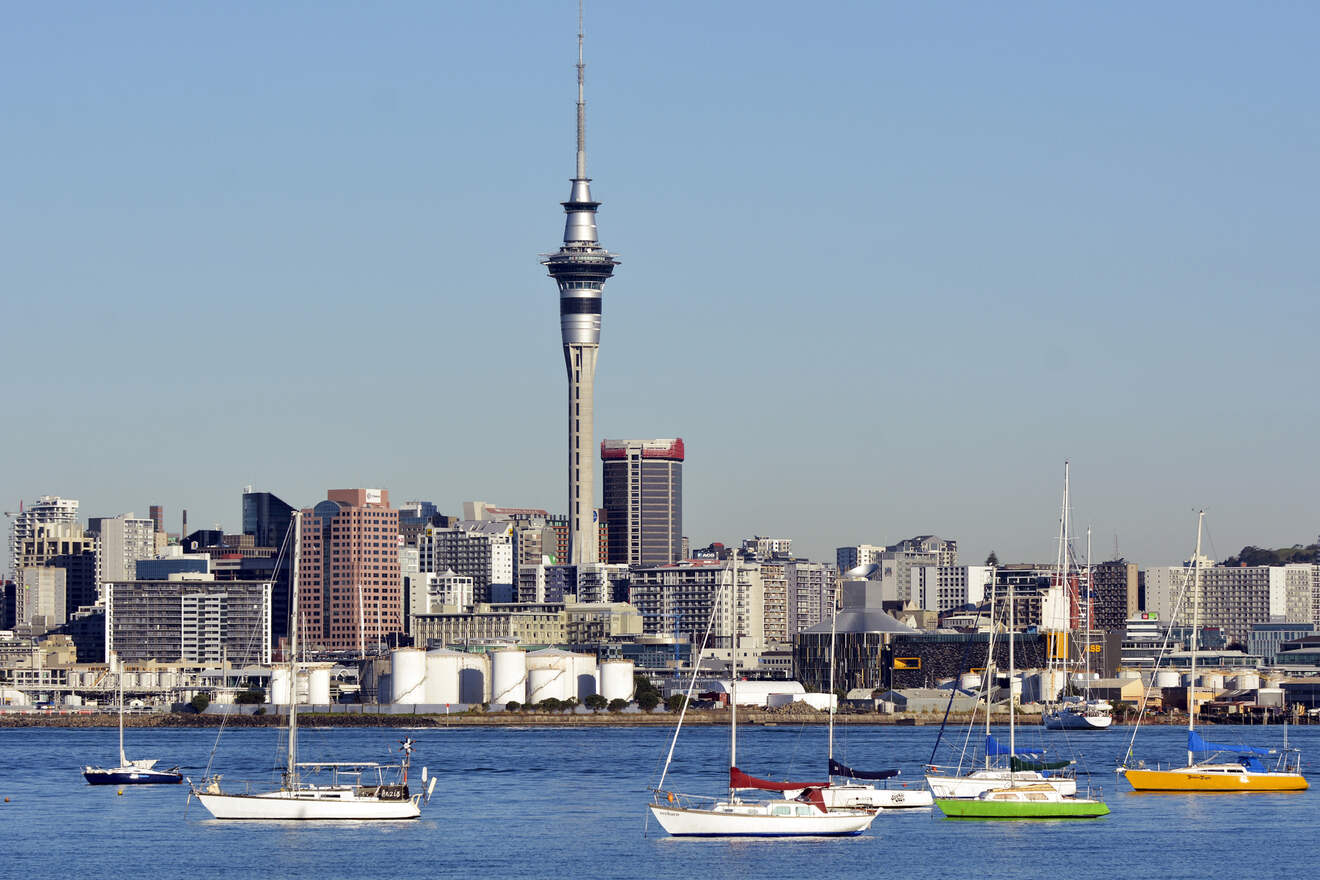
580	268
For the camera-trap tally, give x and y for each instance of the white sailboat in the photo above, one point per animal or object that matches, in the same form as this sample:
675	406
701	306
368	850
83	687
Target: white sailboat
690	816
1003	764
1020	799
362	791
851	794
139	772
1076	713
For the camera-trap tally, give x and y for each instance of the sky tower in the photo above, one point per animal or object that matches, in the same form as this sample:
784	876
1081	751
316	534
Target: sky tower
581	267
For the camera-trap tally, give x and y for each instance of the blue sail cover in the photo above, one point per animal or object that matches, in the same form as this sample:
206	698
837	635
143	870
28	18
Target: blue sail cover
837	769
1196	744
994	748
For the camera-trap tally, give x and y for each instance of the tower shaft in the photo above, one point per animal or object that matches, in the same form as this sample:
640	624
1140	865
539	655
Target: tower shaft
583	541
580	268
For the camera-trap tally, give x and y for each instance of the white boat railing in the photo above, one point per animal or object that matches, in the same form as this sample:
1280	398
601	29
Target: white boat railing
682	801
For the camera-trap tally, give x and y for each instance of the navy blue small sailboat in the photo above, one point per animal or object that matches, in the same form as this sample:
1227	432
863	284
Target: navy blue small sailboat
140	772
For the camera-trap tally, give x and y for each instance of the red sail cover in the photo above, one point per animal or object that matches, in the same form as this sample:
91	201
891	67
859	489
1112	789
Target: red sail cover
814	797
739	779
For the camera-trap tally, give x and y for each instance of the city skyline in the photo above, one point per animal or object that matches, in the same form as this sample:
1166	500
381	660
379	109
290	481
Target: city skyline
887	267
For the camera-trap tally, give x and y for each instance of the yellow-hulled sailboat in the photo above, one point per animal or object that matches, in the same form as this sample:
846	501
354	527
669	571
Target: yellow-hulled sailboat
1214	767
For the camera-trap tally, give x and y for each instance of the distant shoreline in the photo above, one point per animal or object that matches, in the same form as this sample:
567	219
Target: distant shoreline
751	717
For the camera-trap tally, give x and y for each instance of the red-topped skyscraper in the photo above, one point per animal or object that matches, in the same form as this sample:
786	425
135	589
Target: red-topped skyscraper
581	267
643	482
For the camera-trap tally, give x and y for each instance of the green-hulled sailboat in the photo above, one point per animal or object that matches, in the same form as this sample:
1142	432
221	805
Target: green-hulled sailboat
1025	800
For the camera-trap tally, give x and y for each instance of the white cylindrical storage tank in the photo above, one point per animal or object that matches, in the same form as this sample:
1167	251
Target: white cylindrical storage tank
128	680
1052	684
407	675
616	680
318	686
474	679
304	685
1246	681
554	669
584	676
442	675
371	687
1212	680
279	686
545	683
1034	688
970	681
1167	678
169	680
149	679
509	676
1079	679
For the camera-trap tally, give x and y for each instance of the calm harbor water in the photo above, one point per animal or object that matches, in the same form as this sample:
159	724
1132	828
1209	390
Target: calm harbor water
551	802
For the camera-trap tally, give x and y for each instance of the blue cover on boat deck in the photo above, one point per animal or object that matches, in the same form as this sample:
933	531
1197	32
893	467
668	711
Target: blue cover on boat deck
837	769
993	748
1196	744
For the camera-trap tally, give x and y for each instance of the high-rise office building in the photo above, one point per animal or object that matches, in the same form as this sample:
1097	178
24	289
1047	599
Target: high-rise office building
643	483
680	598
124	540
63	545
350	589
48	509
266	517
193	620
580	268
1113	594
40	597
813	589
485	551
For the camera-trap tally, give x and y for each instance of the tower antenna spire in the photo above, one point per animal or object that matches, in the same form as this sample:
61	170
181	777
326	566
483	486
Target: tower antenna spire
581	108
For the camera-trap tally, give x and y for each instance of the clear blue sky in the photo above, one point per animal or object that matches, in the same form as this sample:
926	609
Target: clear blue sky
885	265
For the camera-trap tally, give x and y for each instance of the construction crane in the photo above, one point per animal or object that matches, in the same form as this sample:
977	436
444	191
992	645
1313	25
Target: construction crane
678	621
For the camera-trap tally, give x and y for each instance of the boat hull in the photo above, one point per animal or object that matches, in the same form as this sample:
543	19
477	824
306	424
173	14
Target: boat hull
320	805
129	776
868	797
1077	721
726	821
975	784
1213	778
976	808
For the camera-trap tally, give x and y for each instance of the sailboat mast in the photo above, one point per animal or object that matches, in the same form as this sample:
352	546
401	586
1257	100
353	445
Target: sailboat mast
123	759
733	669
1054	631
834	625
1196	623
991	670
1012	672
1086	648
1063	574
293	651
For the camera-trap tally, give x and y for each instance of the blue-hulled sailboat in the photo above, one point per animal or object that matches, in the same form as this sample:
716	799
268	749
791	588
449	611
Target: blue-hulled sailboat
140	772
